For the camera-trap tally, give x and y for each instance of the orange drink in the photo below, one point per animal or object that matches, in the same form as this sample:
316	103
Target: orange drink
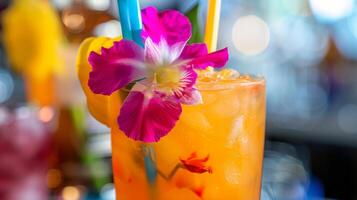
215	150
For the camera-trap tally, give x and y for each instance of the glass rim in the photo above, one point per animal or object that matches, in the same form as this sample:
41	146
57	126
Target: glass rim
225	85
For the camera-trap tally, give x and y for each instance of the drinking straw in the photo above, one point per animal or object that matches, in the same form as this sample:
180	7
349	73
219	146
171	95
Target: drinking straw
131	24
212	23
136	24
124	19
130	17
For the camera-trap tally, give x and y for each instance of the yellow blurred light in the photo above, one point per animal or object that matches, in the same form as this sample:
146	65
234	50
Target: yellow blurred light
54	178
45	114
31	36
71	193
250	35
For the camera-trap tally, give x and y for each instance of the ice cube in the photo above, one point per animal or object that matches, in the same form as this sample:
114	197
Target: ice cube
196	120
227	105
237	129
231	173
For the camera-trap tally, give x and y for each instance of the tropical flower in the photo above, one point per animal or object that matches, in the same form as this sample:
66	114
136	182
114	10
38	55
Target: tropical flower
195	164
162	74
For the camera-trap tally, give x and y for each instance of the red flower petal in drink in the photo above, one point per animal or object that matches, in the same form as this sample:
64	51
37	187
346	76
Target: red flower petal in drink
195	164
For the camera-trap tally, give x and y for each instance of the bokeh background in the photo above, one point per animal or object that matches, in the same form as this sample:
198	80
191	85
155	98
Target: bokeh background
51	148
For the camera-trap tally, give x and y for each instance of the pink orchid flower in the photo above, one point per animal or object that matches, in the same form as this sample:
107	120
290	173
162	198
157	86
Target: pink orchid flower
163	72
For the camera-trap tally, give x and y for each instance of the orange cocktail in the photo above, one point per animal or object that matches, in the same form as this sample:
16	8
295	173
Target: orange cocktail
215	151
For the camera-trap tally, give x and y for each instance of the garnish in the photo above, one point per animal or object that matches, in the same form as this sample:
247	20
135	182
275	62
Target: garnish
195	164
163	72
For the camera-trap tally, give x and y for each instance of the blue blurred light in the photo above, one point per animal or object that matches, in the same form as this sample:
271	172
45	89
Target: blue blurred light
346	118
6	86
329	11
280	8
345	36
300	41
61	4
108	192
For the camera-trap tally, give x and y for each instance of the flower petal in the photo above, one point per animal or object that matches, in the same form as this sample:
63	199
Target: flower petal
147	116
152	52
195	50
200	60
191	96
116	67
161	53
195	164
187	80
169	25
173	80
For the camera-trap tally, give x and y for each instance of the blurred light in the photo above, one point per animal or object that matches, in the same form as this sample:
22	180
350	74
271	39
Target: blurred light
73	21
284	176
98	4
3	92
95	127
296	7
111	29
278	8
346	118
345	35
162	4
6	86
61	4
22	112
108	192
54	178
250	35
71	193
331	10
45	114
313	101
100	144
3	115
300	41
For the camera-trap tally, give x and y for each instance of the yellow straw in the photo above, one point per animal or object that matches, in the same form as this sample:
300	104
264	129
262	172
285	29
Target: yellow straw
212	23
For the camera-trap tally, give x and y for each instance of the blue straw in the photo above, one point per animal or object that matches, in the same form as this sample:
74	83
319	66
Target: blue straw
130	17
136	24
124	19
131	25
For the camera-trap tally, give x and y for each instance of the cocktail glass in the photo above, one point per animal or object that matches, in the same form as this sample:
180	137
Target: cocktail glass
215	151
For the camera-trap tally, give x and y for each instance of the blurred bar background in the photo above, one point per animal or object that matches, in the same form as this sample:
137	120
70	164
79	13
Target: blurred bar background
51	148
